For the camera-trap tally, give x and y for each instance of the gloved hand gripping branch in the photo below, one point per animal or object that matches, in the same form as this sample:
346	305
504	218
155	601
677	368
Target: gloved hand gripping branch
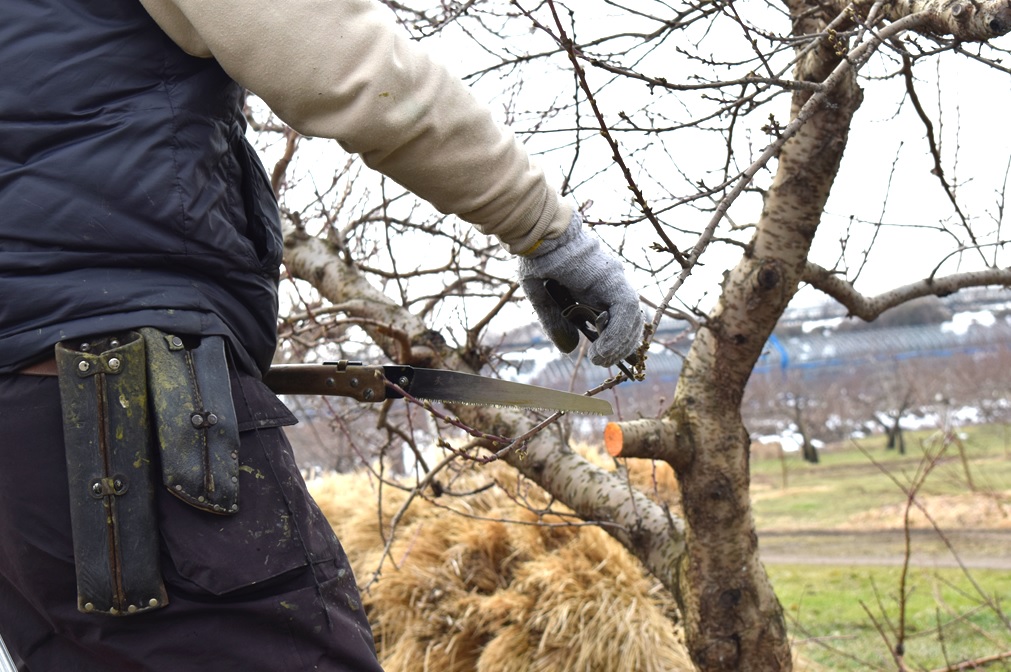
594	278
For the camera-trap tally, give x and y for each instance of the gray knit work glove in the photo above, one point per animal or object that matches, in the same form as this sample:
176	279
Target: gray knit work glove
594	278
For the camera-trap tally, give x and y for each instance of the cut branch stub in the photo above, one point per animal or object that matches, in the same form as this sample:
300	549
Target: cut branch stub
647	438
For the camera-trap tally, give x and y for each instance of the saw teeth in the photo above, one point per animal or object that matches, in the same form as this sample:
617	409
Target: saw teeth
521	408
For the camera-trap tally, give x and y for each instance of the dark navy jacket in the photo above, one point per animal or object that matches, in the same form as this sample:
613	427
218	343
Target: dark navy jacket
128	194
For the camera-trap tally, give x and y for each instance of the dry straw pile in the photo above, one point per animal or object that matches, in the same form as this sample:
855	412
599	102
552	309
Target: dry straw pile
490	582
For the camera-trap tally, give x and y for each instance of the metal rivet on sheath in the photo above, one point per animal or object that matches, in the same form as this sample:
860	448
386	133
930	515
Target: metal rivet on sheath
235	454
83	366
197	420
117	484
330	382
132	608
114	343
368	394
212	419
88	606
235	507
85	347
403	381
114	363
152	602
354	382
96	488
177	342
179	488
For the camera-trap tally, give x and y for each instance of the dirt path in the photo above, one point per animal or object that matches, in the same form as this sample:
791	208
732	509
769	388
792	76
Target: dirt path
975	548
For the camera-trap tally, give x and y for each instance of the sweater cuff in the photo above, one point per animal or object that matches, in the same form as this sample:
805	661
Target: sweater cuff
551	224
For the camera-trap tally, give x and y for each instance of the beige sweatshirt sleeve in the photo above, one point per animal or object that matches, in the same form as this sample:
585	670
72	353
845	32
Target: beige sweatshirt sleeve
343	69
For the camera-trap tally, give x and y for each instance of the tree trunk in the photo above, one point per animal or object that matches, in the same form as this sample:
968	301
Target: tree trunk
896	439
808	451
732	618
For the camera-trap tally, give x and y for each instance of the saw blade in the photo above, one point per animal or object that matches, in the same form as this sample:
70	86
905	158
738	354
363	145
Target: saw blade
467	388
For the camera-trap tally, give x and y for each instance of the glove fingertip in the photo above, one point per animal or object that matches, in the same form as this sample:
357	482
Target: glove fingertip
616	344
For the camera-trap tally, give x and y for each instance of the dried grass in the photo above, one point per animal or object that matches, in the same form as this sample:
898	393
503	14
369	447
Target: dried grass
972	510
492	586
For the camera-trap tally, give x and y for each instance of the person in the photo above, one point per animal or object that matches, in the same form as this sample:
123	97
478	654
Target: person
139	255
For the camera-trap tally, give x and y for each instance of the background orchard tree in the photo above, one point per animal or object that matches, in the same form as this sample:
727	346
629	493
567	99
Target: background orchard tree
705	144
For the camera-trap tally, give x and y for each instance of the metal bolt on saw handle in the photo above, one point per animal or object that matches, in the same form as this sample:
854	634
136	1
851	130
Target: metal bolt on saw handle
589	320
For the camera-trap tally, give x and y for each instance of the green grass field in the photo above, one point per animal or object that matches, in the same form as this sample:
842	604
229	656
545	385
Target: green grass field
855	481
837	543
849	618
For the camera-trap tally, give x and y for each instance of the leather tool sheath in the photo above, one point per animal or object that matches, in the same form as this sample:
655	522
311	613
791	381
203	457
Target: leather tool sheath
195	420
103	390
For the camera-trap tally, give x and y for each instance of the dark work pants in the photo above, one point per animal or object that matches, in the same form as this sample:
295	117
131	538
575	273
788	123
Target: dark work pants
268	588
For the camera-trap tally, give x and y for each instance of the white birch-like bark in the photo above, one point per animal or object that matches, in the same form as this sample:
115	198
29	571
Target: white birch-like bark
968	20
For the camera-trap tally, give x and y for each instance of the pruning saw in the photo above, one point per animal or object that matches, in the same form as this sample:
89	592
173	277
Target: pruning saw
374	383
378	383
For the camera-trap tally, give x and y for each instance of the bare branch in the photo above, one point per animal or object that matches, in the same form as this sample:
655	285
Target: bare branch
868	308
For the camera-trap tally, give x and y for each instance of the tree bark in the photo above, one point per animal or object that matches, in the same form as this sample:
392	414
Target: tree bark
732	618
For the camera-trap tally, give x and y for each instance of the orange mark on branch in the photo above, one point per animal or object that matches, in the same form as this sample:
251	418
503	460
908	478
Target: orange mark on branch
613	439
